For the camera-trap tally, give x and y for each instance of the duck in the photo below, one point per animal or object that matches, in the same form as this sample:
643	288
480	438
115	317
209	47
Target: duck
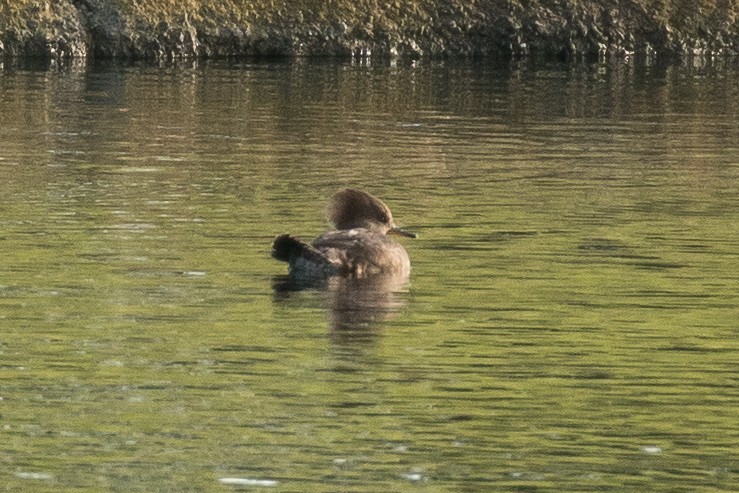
359	247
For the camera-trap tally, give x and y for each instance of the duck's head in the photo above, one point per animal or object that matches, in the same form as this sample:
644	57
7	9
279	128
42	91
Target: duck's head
350	208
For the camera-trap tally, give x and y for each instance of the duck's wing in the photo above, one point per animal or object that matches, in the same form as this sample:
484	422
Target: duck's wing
360	253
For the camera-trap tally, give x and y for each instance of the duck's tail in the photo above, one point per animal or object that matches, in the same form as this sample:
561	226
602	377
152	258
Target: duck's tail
288	248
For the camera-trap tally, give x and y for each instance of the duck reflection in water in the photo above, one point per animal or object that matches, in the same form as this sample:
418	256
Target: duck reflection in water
360	267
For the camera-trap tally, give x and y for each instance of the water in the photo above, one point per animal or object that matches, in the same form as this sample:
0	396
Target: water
570	325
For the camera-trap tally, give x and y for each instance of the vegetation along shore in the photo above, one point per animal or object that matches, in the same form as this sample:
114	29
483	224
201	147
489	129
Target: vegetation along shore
167	29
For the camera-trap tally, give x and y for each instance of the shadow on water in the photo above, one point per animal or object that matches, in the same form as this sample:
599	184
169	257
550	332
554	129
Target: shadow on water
355	308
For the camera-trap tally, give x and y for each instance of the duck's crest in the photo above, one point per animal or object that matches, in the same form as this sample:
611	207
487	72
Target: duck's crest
352	208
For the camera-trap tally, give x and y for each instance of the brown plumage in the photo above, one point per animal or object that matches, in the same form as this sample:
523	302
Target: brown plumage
359	247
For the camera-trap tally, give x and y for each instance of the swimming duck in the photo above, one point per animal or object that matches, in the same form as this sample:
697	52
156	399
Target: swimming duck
360	246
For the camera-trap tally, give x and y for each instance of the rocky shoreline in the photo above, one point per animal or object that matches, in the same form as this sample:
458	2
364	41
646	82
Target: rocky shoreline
169	29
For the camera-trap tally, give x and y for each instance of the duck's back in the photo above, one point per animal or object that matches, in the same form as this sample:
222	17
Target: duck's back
359	252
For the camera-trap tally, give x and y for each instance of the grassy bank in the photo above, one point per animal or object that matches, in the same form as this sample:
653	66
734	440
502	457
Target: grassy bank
419	29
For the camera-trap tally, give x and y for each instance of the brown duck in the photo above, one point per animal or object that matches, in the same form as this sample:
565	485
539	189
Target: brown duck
359	247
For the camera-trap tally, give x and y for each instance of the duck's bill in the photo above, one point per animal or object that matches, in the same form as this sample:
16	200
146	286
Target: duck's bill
402	232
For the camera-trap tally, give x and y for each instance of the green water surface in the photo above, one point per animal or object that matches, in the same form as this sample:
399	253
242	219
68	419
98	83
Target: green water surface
570	324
